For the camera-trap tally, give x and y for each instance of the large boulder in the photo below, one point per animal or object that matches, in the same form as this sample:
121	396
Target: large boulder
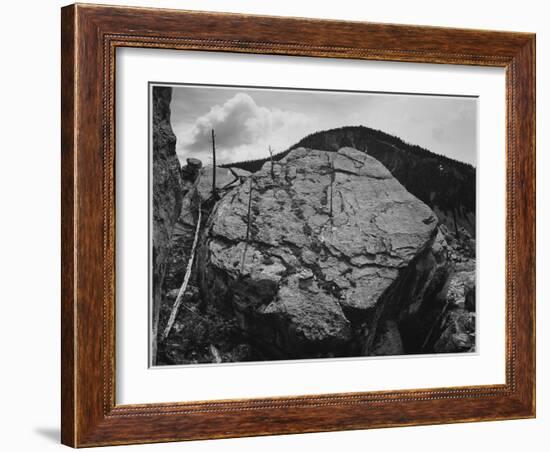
312	254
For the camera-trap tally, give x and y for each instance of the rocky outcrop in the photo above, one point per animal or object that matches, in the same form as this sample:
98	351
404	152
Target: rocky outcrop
325	254
167	195
461	290
445	320
457	332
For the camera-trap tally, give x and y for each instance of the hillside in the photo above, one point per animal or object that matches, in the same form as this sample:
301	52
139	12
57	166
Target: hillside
446	185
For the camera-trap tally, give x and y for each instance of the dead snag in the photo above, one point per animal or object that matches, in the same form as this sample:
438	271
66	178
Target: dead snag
213	164
247	223
271	158
331	185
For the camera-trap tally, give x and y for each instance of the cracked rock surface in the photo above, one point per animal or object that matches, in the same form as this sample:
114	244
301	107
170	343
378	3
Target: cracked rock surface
331	244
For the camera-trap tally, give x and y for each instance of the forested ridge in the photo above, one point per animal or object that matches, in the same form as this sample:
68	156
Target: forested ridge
437	180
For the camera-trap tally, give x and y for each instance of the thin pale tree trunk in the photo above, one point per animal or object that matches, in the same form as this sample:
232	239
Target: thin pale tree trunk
331	186
183	287
271	158
247	224
214	164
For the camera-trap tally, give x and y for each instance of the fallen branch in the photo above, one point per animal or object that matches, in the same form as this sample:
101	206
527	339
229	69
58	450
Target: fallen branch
183	287
215	354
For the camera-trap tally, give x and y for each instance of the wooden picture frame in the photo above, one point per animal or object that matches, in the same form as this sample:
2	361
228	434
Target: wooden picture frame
90	36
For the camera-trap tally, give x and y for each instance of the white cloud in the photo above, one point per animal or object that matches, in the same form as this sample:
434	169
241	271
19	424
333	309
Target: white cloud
243	131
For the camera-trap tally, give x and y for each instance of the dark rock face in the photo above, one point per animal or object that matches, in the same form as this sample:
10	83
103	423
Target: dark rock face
339	256
167	194
389	340
457	332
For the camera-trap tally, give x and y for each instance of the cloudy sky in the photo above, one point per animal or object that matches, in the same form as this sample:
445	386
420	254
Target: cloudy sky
247	121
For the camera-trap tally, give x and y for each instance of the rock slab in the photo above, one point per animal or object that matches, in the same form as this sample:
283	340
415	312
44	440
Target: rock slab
335	243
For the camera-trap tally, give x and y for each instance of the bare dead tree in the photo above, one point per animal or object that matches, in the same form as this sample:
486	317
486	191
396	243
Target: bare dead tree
249	208
331	185
247	223
181	292
271	158
213	164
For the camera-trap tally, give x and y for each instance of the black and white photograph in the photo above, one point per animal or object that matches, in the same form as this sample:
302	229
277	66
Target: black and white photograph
250	226
290	224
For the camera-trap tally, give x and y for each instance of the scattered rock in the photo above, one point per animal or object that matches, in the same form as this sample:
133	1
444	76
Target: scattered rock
458	333
461	290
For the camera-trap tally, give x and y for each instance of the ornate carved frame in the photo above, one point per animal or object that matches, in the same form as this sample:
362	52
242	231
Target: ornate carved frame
90	36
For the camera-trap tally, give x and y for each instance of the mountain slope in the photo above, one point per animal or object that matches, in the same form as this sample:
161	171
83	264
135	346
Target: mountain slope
446	185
